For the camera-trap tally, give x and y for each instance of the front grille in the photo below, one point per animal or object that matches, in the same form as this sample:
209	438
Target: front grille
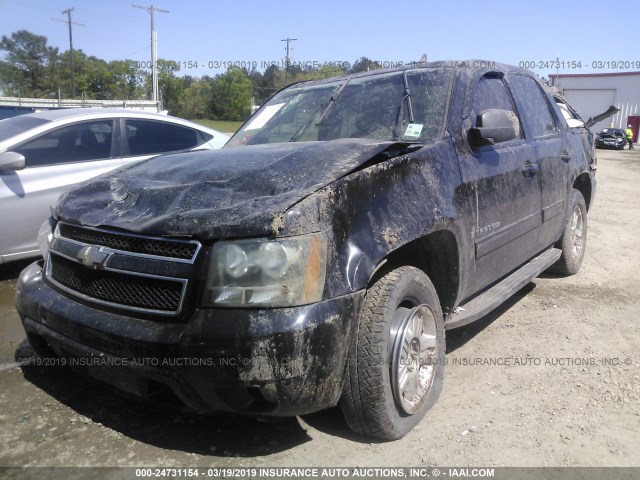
131	243
117	288
108	268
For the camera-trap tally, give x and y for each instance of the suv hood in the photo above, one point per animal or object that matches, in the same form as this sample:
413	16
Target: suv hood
214	194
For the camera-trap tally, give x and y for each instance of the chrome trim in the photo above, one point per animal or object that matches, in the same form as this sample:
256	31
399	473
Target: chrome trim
120	306
92	256
198	245
112	253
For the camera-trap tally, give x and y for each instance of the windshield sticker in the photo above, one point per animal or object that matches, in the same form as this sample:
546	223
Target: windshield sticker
264	116
413	130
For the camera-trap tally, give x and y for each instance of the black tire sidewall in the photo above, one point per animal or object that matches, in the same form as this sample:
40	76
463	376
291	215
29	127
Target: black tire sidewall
413	287
571	264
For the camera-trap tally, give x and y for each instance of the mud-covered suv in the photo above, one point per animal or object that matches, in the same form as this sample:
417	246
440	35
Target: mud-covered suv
320	256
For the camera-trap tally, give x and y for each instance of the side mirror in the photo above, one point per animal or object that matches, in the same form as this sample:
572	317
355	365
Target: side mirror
11	161
494	126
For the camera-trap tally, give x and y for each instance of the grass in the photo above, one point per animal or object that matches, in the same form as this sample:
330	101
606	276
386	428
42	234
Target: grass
223	126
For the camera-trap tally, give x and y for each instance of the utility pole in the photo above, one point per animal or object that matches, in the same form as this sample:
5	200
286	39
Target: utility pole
154	48
287	59
68	21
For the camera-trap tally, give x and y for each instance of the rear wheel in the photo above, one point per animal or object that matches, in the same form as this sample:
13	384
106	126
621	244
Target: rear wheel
395	369
573	241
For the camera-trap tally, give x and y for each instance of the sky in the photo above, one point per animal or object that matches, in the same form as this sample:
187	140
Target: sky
582	36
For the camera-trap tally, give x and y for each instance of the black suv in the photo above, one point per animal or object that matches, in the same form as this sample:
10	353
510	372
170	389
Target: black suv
611	138
320	256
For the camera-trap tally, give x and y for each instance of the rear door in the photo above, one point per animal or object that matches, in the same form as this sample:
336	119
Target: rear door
554	152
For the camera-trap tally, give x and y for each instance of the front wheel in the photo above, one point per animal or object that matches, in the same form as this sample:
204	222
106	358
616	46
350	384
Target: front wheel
396	367
573	241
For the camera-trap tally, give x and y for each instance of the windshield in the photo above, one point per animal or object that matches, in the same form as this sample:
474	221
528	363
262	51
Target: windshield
10	127
611	132
393	106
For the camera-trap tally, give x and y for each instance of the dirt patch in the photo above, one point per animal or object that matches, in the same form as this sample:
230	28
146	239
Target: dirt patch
551	378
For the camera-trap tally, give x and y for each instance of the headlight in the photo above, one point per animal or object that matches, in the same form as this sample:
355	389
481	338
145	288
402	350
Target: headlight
272	273
45	234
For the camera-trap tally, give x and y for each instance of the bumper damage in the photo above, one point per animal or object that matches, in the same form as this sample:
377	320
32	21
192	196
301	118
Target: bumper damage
278	362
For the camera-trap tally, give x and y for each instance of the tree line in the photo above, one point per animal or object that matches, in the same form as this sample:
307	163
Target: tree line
31	68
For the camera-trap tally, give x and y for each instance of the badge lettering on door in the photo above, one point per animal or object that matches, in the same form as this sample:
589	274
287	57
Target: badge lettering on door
492	227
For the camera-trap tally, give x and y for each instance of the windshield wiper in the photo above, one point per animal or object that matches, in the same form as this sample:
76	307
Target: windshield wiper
332	101
406	96
325	112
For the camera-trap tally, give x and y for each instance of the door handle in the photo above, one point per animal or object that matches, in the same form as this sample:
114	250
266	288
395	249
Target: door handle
566	156
530	169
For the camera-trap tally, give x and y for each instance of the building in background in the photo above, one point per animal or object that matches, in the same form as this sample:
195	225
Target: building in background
592	93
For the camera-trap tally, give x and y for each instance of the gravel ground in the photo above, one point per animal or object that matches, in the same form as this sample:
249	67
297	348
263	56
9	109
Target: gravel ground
552	378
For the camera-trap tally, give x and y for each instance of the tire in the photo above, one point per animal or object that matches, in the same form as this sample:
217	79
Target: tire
395	368
573	241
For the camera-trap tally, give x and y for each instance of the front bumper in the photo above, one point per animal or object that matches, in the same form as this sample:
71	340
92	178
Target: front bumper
615	145
282	362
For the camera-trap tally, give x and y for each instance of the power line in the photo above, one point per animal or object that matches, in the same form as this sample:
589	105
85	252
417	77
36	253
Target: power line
287	59
154	48
68	21
136	52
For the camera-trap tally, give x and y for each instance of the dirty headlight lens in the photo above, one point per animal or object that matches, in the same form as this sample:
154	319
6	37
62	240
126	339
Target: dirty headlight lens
272	273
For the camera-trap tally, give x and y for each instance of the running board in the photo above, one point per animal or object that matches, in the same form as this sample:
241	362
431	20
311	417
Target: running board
496	295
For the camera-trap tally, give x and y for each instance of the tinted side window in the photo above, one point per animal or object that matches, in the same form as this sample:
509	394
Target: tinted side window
491	92
148	137
75	143
533	105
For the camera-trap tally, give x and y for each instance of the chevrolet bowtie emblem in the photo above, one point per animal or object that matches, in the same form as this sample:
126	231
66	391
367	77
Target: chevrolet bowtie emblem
91	256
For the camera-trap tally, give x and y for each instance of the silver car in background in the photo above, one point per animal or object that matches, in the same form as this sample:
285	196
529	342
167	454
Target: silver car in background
43	154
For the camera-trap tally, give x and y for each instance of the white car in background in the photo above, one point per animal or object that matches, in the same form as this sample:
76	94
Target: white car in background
43	154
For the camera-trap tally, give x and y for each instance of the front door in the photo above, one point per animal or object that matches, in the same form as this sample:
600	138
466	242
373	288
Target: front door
55	161
504	182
